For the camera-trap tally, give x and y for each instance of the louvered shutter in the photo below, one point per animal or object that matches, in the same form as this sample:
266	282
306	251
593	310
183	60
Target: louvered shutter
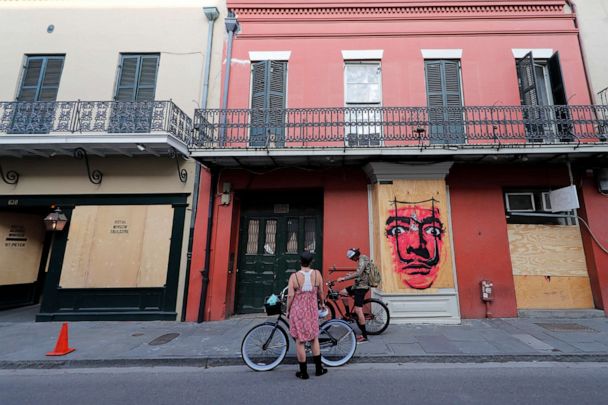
527	81
258	103
444	98
41	79
50	81
31	80
127	82
276	100
558	90
528	92
268	91
146	85
40	83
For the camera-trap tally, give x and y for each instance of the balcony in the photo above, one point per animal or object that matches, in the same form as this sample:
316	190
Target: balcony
293	135
101	127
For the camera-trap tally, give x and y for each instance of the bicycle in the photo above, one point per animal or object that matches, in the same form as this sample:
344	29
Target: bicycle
265	346
376	313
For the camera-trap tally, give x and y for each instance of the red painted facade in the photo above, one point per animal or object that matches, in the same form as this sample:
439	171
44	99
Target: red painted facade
487	33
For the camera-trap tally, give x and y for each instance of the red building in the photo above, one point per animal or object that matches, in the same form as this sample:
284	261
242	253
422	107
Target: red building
432	135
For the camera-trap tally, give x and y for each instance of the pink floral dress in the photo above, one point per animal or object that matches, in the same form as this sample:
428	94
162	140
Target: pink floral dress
304	315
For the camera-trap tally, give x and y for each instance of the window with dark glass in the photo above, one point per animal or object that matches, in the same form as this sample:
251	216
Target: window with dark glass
363	99
533	206
543	96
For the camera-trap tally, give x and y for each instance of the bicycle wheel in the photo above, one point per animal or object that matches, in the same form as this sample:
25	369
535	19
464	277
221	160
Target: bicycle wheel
264	347
376	316
337	341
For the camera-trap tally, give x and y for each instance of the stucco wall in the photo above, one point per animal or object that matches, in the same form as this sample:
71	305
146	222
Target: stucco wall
92	34
593	24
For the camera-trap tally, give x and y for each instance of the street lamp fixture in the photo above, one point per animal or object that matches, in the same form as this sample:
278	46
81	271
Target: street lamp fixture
55	221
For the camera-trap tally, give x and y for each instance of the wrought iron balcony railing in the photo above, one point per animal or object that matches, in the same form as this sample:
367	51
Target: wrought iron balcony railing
603	96
88	117
355	127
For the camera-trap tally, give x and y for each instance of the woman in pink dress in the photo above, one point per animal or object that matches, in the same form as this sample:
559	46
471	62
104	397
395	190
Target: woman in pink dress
305	291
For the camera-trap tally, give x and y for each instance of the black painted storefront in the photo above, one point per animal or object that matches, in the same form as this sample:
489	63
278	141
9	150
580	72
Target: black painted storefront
83	304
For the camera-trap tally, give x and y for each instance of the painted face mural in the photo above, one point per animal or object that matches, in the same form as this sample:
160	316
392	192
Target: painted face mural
415	233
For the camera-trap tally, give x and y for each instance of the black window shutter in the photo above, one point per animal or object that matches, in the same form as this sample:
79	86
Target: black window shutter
528	91
557	81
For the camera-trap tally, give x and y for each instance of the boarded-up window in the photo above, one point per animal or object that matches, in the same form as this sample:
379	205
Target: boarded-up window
21	241
118	246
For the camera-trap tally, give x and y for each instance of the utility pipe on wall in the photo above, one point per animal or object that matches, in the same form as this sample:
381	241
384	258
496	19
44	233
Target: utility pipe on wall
232	26
212	13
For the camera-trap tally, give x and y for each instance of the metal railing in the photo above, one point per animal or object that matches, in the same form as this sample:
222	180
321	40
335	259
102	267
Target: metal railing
603	95
94	117
353	127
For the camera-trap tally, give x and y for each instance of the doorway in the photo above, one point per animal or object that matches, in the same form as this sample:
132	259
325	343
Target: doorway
274	231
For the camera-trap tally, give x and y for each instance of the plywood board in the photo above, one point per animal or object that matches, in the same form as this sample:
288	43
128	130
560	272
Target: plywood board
547	250
410	194
537	292
117	246
21	243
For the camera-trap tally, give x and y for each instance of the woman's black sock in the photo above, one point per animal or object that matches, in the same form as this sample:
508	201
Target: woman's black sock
363	331
303	373
319	369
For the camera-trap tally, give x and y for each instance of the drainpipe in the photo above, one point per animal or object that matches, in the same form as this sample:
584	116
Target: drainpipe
206	266
232	26
572	6
211	13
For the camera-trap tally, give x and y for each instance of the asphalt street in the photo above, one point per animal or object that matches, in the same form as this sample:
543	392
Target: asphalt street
510	383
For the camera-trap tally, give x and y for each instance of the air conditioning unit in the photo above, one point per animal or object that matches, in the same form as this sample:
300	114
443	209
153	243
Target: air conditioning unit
602	180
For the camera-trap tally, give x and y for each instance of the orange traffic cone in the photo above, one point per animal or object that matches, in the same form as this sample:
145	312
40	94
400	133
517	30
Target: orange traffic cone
62	348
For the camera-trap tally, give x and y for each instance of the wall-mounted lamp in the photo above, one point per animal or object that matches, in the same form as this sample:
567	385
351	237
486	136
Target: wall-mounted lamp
55	221
141	147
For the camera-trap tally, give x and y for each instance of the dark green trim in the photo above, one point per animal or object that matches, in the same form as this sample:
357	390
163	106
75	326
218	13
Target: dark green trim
107	303
73	200
107	316
175	254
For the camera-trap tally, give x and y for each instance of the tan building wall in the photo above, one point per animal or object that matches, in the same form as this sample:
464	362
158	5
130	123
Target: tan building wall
593	24
92	34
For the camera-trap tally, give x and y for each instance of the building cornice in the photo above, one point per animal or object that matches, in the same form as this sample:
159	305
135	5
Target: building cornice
403	8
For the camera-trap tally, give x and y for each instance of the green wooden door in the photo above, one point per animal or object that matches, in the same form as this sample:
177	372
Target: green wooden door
269	252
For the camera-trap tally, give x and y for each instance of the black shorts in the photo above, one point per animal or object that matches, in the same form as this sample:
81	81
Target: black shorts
358	293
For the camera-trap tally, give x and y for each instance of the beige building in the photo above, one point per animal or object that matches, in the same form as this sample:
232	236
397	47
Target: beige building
96	107
592	18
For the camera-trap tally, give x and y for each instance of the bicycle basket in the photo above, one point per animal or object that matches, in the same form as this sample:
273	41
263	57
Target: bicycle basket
274	309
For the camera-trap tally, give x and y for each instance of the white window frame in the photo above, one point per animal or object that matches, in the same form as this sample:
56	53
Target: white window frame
378	64
531	195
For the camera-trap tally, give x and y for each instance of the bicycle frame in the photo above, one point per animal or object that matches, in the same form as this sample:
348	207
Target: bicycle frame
330	339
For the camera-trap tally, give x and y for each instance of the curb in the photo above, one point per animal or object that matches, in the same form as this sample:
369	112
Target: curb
208	362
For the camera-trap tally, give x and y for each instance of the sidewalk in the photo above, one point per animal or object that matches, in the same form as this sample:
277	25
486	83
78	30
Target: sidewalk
116	344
